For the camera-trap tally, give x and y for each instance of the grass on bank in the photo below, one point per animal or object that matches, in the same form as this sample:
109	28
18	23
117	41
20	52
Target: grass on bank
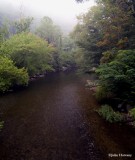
1	125
109	114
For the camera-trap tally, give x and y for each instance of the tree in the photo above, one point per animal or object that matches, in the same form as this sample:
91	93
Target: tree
117	25
118	76
50	32
64	45
29	51
23	25
4	31
107	26
68	44
10	75
86	35
67	59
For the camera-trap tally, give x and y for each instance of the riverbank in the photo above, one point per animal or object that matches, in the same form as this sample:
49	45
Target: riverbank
111	138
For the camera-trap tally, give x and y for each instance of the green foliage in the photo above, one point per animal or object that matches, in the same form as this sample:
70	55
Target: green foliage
102	93
117	25
106	35
4	31
118	76
67	59
1	125
108	56
108	25
132	113
79	57
10	75
29	51
86	36
56	60
50	32
23	25
68	44
109	114
64	56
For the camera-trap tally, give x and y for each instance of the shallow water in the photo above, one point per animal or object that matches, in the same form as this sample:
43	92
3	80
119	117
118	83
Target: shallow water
55	119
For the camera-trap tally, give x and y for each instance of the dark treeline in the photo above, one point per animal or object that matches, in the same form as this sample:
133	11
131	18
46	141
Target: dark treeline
105	36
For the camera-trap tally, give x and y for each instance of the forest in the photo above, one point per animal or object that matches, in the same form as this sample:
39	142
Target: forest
26	54
105	36
102	43
103	40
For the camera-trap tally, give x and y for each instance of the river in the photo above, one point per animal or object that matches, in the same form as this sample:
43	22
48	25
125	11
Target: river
55	119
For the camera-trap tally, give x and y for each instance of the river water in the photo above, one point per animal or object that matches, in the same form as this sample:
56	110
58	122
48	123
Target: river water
55	119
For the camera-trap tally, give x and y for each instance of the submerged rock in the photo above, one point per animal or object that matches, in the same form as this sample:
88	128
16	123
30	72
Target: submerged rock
92	85
92	70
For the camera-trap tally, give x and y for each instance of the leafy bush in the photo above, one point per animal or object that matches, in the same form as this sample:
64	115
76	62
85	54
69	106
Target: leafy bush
1	125
109	114
132	113
67	59
23	25
118	76
101	93
107	56
29	51
11	75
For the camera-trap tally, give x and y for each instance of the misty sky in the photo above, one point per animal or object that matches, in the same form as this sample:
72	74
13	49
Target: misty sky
63	12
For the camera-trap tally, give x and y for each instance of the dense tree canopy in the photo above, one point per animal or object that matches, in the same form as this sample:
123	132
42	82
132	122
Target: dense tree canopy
4	31
50	32
28	51
105	36
22	25
10	75
33	53
118	76
105	26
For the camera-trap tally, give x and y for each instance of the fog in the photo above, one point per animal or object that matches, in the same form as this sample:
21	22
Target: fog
62	12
